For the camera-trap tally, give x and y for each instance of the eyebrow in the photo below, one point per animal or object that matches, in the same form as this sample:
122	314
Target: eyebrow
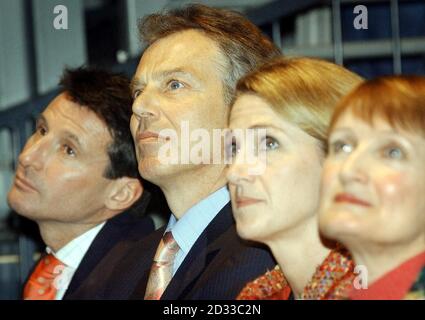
68	134
136	83
41	118
344	129
73	137
264	126
174	72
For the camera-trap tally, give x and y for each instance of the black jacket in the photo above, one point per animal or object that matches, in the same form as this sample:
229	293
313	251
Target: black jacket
217	266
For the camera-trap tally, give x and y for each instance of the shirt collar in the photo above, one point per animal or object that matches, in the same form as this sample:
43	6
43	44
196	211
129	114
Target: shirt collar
189	227
73	252
395	284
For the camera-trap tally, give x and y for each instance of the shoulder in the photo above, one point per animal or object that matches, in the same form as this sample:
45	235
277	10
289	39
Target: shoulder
417	291
270	286
130	226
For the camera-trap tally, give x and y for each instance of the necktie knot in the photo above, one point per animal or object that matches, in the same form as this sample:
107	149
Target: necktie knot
167	249
42	282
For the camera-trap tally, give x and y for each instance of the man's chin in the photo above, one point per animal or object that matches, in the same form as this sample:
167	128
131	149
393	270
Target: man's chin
155	171
151	169
21	205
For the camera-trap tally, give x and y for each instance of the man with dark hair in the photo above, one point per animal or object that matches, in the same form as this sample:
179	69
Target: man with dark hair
186	78
77	178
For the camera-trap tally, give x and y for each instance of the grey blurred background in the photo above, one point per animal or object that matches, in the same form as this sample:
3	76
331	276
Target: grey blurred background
104	33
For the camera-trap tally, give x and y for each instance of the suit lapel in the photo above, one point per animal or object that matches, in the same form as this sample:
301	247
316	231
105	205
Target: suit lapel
144	258
199	256
112	232
100	246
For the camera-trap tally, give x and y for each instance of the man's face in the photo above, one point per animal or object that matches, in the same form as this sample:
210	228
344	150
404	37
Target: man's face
179	79
59	176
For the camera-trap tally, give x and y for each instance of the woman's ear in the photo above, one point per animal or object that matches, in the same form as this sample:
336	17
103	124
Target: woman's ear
124	193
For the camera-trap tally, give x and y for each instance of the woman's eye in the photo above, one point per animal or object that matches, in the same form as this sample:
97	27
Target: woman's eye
393	153
271	143
68	150
174	85
341	146
234	148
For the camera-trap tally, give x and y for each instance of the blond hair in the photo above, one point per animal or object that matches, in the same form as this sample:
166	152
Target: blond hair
304	91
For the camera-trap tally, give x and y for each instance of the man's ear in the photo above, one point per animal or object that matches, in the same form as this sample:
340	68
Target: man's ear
124	193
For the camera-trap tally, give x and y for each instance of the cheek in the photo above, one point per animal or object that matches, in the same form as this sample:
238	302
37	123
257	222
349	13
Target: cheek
67	181
329	180
401	205
399	193
392	188
232	191
178	119
293	185
133	126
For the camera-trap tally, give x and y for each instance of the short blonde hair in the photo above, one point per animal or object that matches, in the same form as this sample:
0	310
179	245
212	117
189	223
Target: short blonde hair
399	100
304	91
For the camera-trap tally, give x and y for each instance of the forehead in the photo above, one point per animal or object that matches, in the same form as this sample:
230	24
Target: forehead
377	129
250	110
63	115
188	50
348	120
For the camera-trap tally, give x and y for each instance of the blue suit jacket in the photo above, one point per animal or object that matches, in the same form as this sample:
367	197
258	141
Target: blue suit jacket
217	267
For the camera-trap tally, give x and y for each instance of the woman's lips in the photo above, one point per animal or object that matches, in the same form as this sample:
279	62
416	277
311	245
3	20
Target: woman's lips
348	198
243	202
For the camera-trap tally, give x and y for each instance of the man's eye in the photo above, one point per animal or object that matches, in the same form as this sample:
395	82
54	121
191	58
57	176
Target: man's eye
68	150
232	149
41	130
174	85
136	93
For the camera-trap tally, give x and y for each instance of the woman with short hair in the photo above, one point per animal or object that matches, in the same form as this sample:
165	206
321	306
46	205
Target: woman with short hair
287	104
373	198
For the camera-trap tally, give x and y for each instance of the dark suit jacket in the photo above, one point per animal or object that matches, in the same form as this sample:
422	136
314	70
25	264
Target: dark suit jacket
217	267
123	226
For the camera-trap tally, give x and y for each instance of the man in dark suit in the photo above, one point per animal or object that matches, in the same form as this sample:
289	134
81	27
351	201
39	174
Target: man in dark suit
77	178
182	91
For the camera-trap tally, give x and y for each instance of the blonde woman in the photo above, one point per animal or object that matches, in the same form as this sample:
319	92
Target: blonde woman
292	100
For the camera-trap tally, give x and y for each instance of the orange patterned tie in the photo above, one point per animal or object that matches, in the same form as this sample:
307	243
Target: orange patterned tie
162	267
42	285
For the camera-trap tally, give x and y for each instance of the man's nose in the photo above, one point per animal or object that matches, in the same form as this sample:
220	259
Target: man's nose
146	105
34	154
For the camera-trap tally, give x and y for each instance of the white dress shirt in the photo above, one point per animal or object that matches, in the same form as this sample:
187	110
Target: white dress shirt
190	226
71	255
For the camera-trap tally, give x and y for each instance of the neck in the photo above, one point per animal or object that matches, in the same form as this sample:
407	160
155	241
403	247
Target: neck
381	258
185	191
58	234
298	253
